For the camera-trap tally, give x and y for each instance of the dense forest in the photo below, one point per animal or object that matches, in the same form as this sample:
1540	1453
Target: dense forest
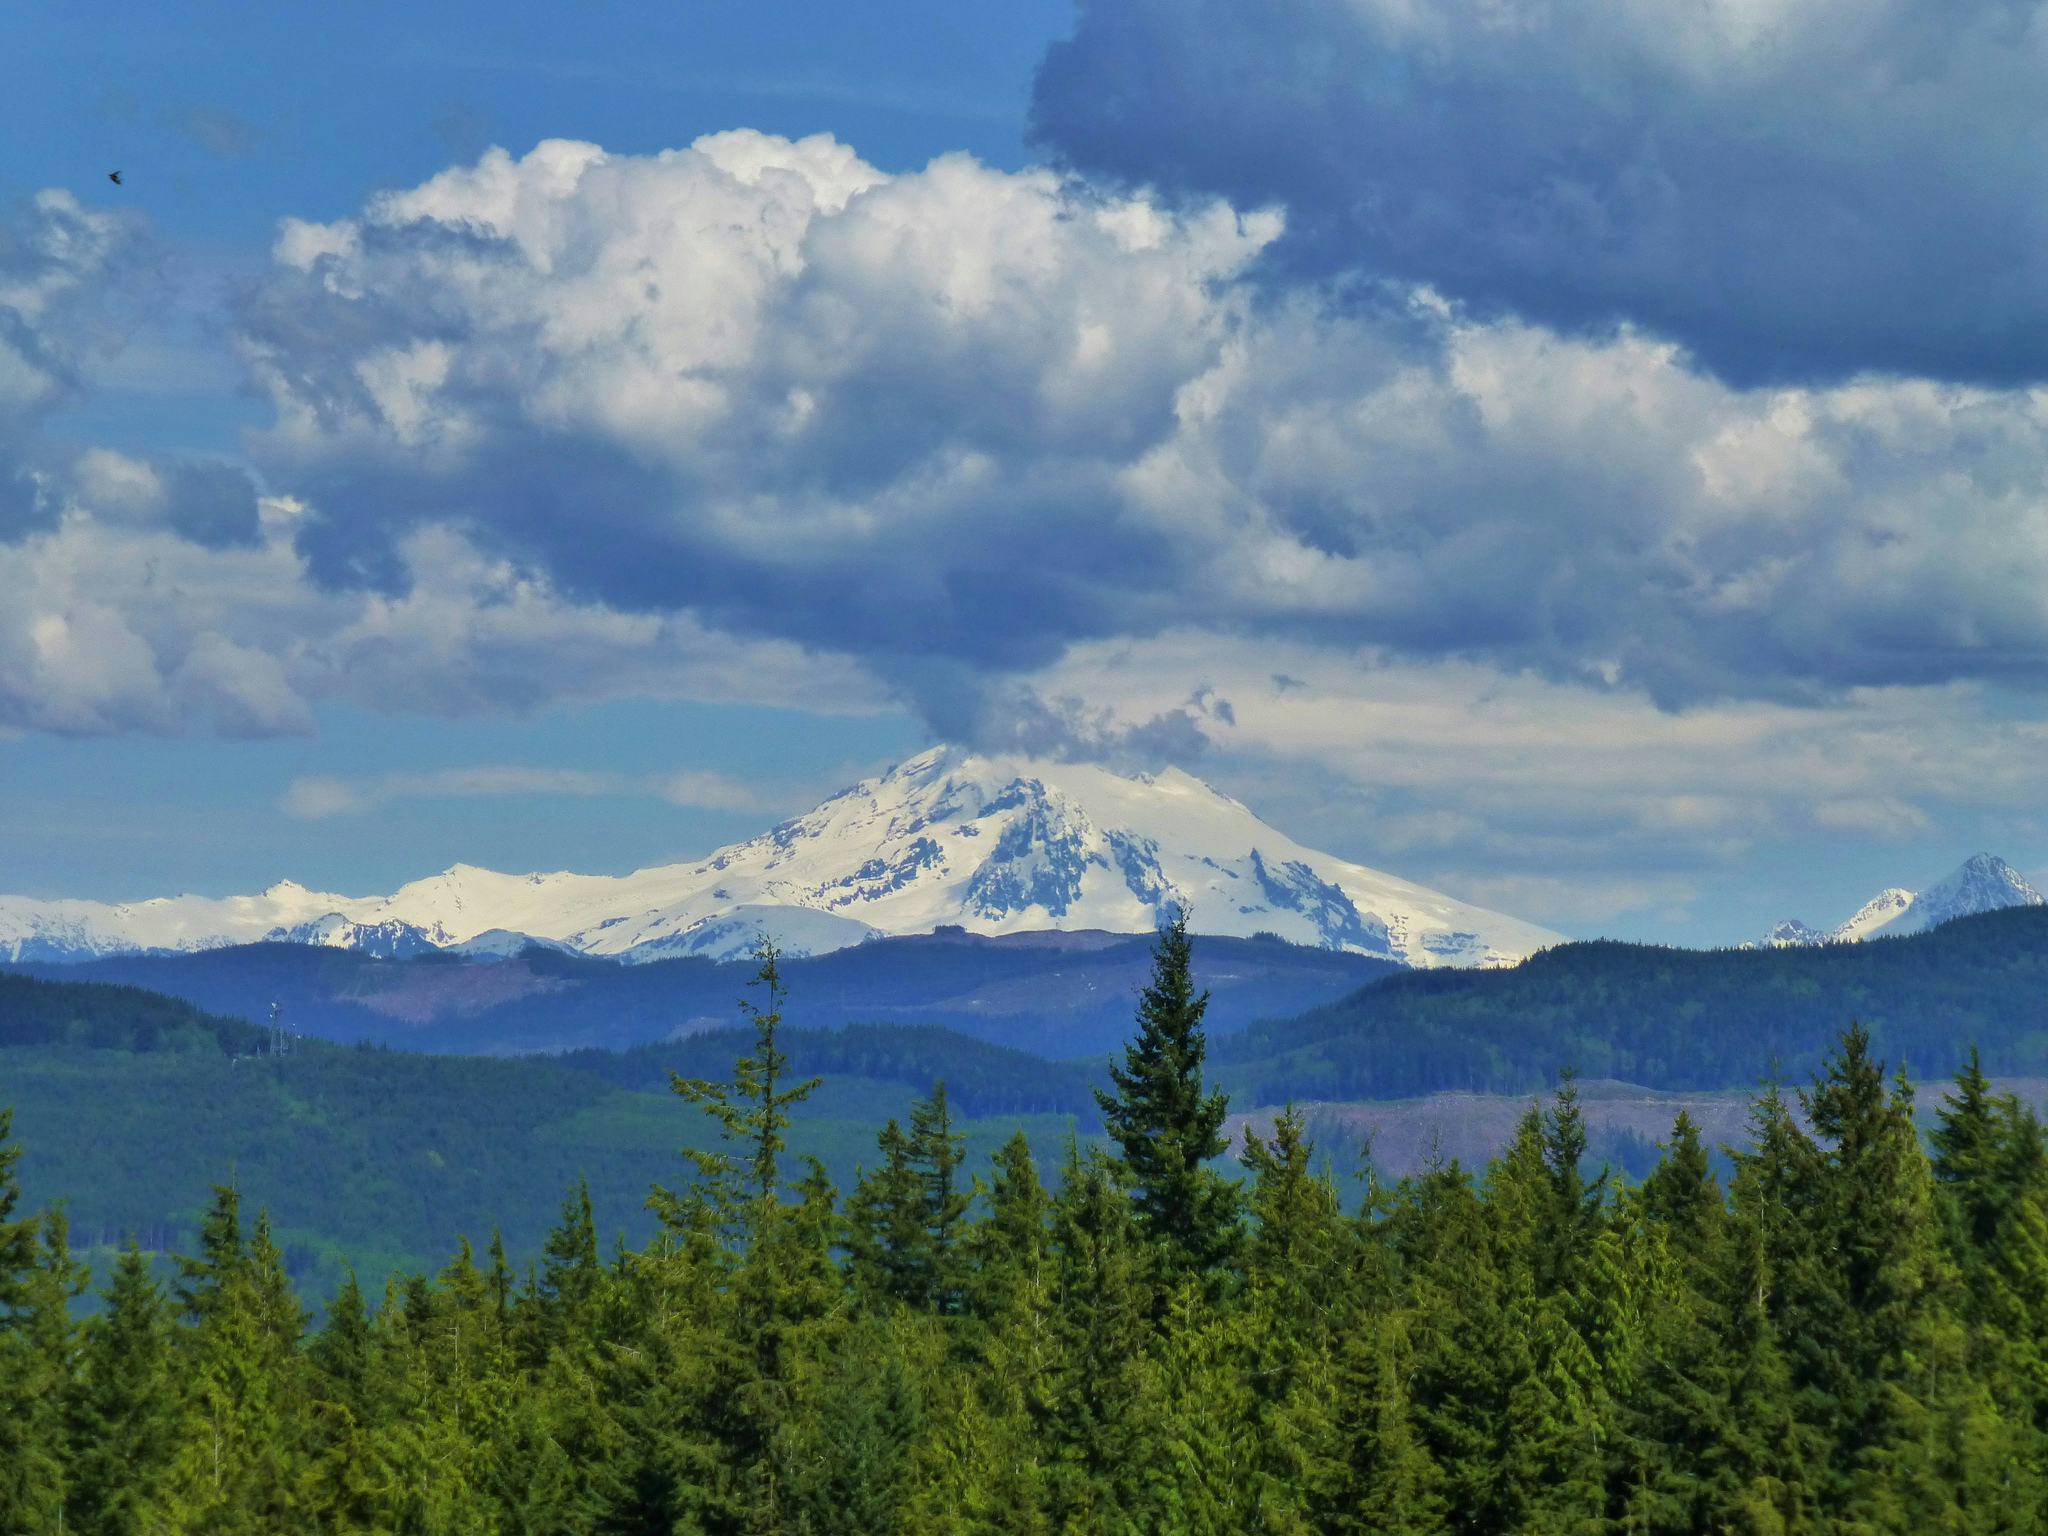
128	1103
1845	1337
1665	1018
1055	994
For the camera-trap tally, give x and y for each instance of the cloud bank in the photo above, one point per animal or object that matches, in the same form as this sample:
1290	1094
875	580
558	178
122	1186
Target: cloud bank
953	422
1795	190
753	420
158	594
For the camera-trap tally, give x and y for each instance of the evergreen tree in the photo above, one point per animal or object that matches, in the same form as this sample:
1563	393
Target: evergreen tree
1008	1248
1010	1300
1196	1461
1681	1193
904	1219
1773	1475
1990	1168
1094	1421
1298	1260
751	1113
123	1414
204	1278
1467	1349
1167	1124
888	1243
935	1152
341	1351
1374	1475
1872	1316
1298	1249
567	1294
978	1473
236	1464
778	1279
863	1430
38	1365
30	1465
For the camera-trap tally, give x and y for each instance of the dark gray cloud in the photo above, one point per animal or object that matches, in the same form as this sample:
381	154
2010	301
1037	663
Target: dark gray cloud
1012	717
213	505
1795	189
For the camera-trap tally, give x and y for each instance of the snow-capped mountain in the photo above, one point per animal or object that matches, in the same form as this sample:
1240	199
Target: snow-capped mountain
1790	934
1981	883
994	845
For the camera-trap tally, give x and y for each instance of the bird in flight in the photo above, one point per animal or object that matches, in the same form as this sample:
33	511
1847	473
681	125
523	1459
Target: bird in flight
114	177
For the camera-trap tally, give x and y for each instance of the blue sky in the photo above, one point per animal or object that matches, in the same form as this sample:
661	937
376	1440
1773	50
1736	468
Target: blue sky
576	435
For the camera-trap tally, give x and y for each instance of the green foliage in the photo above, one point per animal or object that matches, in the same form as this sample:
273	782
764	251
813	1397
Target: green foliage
123	1407
1065	1000
1665	1018
1845	1340
751	1114
1166	1122
96	1016
374	1159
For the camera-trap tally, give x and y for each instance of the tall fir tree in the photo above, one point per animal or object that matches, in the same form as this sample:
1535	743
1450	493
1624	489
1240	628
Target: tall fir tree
752	1111
1168	1124
568	1290
38	1361
774	1253
1094	1421
236	1468
1990	1169
1371	1473
936	1151
123	1414
1874	1314
1298	1261
30	1468
888	1246
1010	1303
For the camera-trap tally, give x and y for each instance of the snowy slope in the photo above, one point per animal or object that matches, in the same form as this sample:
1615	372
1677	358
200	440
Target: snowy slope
1981	883
994	845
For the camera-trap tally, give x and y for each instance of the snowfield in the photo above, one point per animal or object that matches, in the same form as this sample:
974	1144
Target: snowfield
993	845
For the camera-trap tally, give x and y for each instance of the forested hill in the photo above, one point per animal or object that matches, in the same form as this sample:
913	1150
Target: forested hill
1054	994
1124	1338
132	1105
101	1016
1664	1018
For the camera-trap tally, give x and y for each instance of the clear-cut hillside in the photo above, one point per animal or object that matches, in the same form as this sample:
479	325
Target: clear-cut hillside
992	845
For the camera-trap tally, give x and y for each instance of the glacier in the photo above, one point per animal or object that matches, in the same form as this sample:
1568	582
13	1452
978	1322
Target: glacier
990	844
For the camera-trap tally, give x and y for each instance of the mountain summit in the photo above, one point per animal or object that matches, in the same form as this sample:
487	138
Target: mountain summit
1981	883
990	844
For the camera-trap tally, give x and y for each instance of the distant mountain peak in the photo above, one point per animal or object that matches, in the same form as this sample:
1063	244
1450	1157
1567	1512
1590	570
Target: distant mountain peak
1791	934
992	843
1981	883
